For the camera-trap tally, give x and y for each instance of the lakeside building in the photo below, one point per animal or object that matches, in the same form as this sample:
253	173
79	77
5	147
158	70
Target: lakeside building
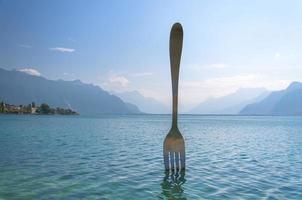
44	108
10	108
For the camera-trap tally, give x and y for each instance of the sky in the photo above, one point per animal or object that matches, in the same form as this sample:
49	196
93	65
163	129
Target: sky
124	45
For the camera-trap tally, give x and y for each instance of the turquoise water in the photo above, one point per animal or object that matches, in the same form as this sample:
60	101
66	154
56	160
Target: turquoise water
120	157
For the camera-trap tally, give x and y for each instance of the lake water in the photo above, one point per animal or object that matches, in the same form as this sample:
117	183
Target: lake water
120	157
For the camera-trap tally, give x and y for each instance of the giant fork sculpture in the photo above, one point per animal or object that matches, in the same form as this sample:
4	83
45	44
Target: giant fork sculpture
174	144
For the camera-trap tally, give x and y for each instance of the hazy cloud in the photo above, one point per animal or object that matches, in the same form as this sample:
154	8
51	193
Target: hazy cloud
30	71
194	92
69	76
25	46
62	49
71	39
277	55
284	57
197	67
140	74
218	65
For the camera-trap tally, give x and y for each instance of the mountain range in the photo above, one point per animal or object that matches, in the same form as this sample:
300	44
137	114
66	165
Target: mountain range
283	102
145	104
232	103
21	88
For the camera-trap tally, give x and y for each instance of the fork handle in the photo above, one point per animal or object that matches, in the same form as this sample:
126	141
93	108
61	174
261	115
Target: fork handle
176	38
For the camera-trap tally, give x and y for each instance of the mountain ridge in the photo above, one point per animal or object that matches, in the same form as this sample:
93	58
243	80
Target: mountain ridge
145	104
282	102
21	88
230	104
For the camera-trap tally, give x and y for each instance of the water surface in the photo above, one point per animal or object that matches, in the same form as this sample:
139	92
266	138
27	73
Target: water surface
120	157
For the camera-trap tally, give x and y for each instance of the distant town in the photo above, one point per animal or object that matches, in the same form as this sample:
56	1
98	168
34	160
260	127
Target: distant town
43	109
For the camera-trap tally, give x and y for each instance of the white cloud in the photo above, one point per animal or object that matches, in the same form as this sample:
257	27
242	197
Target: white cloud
140	74
25	46
115	82
120	80
30	71
62	49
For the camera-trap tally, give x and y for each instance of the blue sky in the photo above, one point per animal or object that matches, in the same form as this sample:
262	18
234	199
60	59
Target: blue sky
123	45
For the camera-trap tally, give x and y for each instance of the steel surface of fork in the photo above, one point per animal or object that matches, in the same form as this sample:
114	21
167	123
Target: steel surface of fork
174	144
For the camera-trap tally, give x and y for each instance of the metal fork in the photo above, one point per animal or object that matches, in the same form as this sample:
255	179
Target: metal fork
174	144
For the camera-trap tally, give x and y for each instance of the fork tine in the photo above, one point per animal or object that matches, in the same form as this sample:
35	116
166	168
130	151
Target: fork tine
177	154
172	160
166	159
182	159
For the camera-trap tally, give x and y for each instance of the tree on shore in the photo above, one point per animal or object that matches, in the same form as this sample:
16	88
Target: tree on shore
2	107
21	109
27	109
45	109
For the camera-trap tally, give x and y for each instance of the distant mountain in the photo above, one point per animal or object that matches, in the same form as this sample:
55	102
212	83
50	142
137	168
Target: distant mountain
21	88
232	103
283	102
145	104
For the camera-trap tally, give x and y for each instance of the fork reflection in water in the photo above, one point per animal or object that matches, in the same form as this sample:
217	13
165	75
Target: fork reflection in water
172	185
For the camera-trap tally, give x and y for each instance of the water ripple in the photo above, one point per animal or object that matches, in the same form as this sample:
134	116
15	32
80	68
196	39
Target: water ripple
120	157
